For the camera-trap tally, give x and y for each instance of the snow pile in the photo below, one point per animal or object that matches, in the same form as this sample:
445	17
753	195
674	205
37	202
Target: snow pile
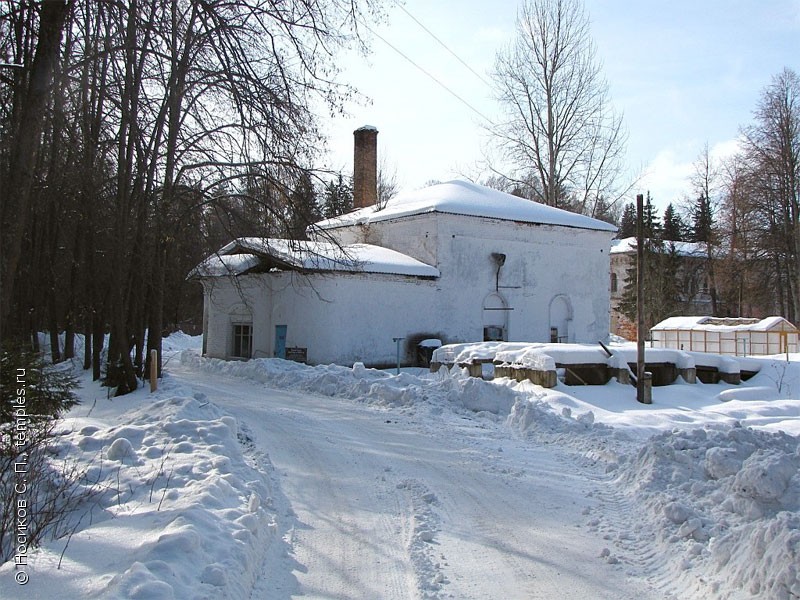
469	353
697	494
527	358
432	391
179	511
726	503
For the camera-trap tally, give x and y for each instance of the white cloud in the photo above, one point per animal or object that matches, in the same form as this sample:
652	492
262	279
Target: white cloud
668	176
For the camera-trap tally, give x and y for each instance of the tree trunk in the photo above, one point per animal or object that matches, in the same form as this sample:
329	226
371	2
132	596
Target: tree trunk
69	339
87	346
22	164
98	340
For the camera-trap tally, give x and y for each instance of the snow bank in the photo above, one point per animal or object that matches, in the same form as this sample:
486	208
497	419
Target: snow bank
528	358
727	502
523	353
708	507
432	392
180	513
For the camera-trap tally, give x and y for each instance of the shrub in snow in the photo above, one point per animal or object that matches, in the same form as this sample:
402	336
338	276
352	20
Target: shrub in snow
32	397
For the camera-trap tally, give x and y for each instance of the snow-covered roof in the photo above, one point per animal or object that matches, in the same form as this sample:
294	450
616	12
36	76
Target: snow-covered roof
628	244
244	254
466	198
725	324
541	355
218	265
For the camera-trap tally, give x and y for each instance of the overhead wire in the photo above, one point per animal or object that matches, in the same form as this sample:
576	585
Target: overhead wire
442	44
428	73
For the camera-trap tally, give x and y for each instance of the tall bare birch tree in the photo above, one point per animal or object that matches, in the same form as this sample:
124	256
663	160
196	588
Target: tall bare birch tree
558	123
772	155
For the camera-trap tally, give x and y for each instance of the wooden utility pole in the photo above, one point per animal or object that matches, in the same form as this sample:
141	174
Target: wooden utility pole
643	381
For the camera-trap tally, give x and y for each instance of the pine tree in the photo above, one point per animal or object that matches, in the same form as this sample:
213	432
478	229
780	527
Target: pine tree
703	220
652	225
303	208
627	224
662	296
674	227
338	198
604	211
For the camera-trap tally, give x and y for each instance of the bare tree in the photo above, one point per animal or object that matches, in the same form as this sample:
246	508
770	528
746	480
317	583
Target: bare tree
31	84
558	123
137	119
746	287
772	155
705	182
387	181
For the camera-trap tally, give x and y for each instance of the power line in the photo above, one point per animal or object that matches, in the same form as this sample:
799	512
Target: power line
442	44
405	56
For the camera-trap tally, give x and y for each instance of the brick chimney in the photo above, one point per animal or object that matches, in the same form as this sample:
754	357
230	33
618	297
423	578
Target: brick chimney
365	167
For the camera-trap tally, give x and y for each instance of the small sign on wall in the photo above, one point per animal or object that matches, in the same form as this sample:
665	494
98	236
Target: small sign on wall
297	354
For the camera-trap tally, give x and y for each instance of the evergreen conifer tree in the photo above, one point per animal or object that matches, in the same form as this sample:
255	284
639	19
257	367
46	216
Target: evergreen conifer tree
337	198
303	208
627	224
674	227
662	294
703	220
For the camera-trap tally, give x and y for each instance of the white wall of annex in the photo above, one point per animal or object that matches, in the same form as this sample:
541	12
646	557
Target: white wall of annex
548	270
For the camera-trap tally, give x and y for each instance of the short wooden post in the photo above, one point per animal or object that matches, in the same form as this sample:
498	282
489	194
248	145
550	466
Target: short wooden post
153	370
647	388
397	341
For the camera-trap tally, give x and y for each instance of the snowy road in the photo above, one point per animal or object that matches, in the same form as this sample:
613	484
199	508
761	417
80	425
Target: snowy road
391	504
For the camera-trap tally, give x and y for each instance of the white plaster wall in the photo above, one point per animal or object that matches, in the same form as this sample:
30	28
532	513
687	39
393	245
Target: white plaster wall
416	236
228	302
345	318
353	318
542	263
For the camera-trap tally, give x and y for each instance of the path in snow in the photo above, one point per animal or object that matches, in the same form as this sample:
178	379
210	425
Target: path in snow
386	504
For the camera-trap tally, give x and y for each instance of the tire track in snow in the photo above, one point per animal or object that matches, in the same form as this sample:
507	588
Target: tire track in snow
504	522
629	534
422	529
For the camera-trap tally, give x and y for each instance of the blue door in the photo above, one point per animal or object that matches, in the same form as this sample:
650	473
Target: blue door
280	341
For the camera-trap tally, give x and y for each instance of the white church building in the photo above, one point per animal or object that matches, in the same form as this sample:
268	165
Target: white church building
456	262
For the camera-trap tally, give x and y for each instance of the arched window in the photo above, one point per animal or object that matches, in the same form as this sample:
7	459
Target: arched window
495	318
560	319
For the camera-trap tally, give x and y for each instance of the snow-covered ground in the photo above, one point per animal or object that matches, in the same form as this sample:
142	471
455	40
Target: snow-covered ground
270	479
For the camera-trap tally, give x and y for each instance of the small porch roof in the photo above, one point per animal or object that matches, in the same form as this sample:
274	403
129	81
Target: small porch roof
254	254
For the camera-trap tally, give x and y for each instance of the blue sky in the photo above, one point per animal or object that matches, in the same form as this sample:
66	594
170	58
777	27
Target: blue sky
683	73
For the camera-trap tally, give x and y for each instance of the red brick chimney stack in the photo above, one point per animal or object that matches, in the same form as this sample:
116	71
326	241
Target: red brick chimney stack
365	167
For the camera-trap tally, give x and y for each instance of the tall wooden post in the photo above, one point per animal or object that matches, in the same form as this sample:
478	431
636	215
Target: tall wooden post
643	382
